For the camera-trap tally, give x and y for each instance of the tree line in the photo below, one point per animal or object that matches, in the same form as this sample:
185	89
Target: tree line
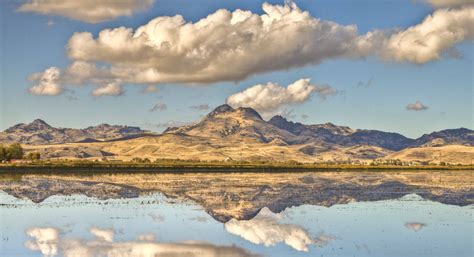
16	152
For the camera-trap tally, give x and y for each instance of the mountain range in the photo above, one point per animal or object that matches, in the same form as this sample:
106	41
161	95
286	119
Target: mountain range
240	134
39	132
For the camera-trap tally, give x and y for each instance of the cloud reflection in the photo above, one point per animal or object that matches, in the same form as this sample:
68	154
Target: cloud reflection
415	226
266	229
49	243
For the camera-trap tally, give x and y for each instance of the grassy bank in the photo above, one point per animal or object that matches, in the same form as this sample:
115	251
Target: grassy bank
195	166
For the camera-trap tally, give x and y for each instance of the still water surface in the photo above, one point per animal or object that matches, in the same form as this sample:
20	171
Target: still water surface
152	224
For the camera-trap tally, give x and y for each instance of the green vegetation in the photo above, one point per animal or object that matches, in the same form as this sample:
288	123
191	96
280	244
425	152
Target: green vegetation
33	156
176	165
11	152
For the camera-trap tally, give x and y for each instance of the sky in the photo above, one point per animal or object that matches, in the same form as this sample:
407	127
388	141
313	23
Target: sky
403	66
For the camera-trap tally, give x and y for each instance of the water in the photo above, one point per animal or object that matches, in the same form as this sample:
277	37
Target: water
104	219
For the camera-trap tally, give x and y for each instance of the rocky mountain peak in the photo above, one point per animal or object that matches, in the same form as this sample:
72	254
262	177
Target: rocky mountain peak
39	124
220	109
248	112
244	112
36	125
278	119
282	123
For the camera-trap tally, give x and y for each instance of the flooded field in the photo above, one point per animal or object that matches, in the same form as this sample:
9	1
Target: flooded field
239	214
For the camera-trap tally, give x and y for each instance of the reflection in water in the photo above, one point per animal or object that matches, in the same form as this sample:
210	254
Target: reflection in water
266	229
221	215
49	242
242	196
46	240
415	226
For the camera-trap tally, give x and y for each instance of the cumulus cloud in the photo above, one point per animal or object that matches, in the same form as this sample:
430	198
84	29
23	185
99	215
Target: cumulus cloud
224	46
158	107
90	11
417	106
449	3
231	46
47	82
48	242
111	89
265	229
427	41
270	97
415	226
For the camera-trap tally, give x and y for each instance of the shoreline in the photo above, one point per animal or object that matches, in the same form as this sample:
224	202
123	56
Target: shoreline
210	168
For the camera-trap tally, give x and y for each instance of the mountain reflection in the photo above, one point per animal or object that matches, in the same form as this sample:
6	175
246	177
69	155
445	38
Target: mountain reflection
50	242
241	196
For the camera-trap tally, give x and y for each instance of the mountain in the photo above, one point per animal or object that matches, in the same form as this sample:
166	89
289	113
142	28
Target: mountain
241	124
460	136
241	134
342	135
446	153
39	132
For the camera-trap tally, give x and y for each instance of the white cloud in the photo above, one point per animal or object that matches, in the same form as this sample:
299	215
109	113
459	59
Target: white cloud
270	97
111	89
427	41
417	106
449	3
158	107
47	82
265	229
224	46
48	242
91	11
231	46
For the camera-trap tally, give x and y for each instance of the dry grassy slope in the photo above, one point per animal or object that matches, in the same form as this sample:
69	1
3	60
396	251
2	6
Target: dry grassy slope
448	153
244	124
172	146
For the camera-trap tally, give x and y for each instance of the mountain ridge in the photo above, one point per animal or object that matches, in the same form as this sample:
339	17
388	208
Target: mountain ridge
228	133
242	122
40	132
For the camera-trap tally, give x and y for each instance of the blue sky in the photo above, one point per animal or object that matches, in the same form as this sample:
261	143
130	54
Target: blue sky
29	45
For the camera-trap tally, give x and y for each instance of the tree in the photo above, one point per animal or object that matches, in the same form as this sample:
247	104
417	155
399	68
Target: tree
34	156
16	151
3	153
137	159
